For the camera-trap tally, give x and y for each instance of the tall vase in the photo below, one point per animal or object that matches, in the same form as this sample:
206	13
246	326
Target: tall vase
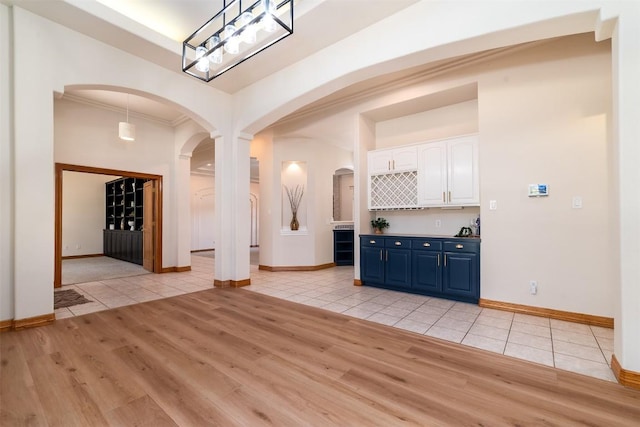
294	222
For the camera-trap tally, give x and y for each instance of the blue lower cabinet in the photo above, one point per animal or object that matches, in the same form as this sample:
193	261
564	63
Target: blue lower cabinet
398	267
372	265
426	271
438	267
459	275
385	261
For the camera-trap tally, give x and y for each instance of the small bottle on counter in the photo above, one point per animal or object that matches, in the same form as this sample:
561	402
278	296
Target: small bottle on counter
478	225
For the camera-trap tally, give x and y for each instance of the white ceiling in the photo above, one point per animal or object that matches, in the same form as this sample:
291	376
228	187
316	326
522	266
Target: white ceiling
155	29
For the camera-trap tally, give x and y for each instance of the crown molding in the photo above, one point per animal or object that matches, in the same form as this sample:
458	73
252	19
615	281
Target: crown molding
108	107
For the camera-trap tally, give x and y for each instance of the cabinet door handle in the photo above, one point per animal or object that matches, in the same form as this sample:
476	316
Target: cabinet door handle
444	200
438	260
380	254
389	165
394	164
459	246
373	242
386	256
445	260
398	243
426	245
449	196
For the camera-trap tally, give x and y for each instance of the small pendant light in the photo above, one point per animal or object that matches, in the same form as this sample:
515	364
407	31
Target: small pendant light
127	131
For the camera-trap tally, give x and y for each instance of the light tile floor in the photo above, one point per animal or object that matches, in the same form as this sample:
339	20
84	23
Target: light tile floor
564	345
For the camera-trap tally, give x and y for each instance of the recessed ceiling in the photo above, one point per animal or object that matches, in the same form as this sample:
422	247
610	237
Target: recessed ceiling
154	30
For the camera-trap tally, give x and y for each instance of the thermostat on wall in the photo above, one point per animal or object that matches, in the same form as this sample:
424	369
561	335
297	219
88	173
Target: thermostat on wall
537	190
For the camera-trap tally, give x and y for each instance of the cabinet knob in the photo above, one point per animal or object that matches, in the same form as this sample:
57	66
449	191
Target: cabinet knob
426	245
373	242
398	243
459	246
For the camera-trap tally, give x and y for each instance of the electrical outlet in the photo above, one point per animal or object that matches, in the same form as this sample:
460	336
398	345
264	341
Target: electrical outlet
533	287
78	246
438	223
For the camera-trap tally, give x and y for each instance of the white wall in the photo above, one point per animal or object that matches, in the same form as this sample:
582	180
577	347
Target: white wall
256	205
424	221
83	212
6	169
346	197
78	61
262	150
543	119
203	211
311	247
88	136
439	123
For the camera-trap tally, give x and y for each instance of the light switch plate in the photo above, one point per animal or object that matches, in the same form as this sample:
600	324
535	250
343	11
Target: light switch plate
493	205
576	202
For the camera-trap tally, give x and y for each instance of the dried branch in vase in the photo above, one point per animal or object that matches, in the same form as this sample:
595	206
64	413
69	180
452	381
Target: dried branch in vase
295	197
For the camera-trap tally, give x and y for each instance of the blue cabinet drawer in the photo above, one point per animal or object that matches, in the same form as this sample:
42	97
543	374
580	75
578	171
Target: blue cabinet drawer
462	246
397	243
427	244
373	242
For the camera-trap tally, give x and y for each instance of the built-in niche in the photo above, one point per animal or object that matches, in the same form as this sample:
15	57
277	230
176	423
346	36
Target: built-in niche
294	195
343	195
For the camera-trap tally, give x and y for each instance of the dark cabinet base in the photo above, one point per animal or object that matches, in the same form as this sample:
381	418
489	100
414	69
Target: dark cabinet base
124	245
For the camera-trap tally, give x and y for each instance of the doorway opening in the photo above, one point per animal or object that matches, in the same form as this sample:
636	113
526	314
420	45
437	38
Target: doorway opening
152	231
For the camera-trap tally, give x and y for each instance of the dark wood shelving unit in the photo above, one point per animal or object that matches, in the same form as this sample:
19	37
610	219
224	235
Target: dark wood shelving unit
124	210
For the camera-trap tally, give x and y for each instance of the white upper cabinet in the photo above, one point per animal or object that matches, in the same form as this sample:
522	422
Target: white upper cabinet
432	174
448	172
393	160
463	178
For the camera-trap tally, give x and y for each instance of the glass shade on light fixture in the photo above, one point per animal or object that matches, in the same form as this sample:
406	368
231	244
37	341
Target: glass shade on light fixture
203	61
248	30
216	56
268	23
127	131
233	42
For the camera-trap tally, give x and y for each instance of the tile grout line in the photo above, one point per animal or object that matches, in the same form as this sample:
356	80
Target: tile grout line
508	335
553	351
599	346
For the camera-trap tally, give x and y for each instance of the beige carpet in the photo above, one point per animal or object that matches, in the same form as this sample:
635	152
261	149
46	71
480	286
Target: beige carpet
83	270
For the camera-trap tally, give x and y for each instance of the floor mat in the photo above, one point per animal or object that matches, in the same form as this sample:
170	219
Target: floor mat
68	298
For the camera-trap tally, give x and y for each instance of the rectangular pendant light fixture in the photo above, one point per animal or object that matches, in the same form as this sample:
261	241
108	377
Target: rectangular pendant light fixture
234	35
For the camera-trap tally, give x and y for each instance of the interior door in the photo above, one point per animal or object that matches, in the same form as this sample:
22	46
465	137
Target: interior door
149	225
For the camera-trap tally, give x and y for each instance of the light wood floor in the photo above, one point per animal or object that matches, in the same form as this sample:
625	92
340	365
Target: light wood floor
232	357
